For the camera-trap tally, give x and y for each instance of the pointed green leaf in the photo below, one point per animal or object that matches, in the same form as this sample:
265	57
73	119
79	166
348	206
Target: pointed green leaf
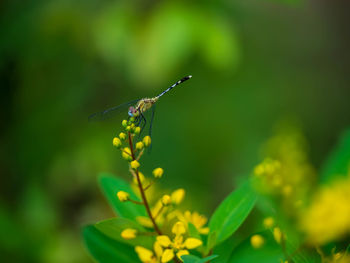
339	160
232	212
114	226
106	250
110	186
269	252
194	259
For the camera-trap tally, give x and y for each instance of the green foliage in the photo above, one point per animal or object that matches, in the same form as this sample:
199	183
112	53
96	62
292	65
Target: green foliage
105	249
232	212
110	185
338	162
245	253
194	259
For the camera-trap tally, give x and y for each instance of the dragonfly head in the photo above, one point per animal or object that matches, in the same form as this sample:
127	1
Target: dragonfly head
131	111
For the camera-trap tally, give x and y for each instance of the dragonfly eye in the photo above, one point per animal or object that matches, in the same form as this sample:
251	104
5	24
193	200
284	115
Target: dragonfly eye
131	111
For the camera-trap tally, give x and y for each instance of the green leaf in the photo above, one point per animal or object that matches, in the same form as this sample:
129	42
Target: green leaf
211	240
193	232
110	185
114	226
194	259
339	160
232	212
106	250
269	252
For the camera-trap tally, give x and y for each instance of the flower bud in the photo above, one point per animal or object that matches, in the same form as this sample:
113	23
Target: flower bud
128	233
134	164
139	146
147	141
124	123
123	196
257	241
116	142
128	128
277	234
126	154
177	196
166	200
158	172
137	130
122	136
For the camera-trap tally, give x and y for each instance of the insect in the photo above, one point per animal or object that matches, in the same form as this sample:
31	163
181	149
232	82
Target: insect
137	112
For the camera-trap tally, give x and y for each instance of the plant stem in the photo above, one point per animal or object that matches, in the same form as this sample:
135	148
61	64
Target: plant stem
142	192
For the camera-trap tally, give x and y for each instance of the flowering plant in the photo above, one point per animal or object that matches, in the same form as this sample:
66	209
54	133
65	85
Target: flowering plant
295	220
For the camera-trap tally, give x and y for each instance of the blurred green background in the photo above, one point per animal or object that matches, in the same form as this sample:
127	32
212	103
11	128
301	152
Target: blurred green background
254	64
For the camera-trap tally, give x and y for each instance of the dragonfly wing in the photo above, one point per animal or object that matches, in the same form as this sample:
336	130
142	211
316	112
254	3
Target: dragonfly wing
111	112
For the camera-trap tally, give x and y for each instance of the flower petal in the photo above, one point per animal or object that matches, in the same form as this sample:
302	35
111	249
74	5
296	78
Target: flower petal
179	228
144	254
192	243
167	255
163	240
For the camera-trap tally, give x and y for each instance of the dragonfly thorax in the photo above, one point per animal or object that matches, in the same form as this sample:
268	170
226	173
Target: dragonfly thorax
142	106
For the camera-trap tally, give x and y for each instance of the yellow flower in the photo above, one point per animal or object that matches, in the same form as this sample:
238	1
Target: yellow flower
122	136
145	255
277	234
116	142
139	146
268	222
179	228
128	233
257	241
158	172
126	154
177	246
177	196
147	141
123	196
135	164
198	221
328	217
166	200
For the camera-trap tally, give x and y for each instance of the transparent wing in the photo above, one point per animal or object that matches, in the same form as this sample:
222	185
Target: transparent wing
111	112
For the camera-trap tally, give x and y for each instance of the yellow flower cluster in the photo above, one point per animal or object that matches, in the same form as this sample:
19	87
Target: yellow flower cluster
285	171
164	215
165	249
328	216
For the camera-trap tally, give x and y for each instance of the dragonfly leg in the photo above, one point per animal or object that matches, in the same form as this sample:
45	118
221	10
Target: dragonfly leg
151	123
144	123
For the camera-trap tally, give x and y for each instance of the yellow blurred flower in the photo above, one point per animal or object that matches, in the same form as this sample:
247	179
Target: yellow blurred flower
123	196
158	172
257	241
198	221
177	196
268	222
328	217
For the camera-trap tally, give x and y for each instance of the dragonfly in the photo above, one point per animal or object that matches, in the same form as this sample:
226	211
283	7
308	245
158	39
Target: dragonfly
137	108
